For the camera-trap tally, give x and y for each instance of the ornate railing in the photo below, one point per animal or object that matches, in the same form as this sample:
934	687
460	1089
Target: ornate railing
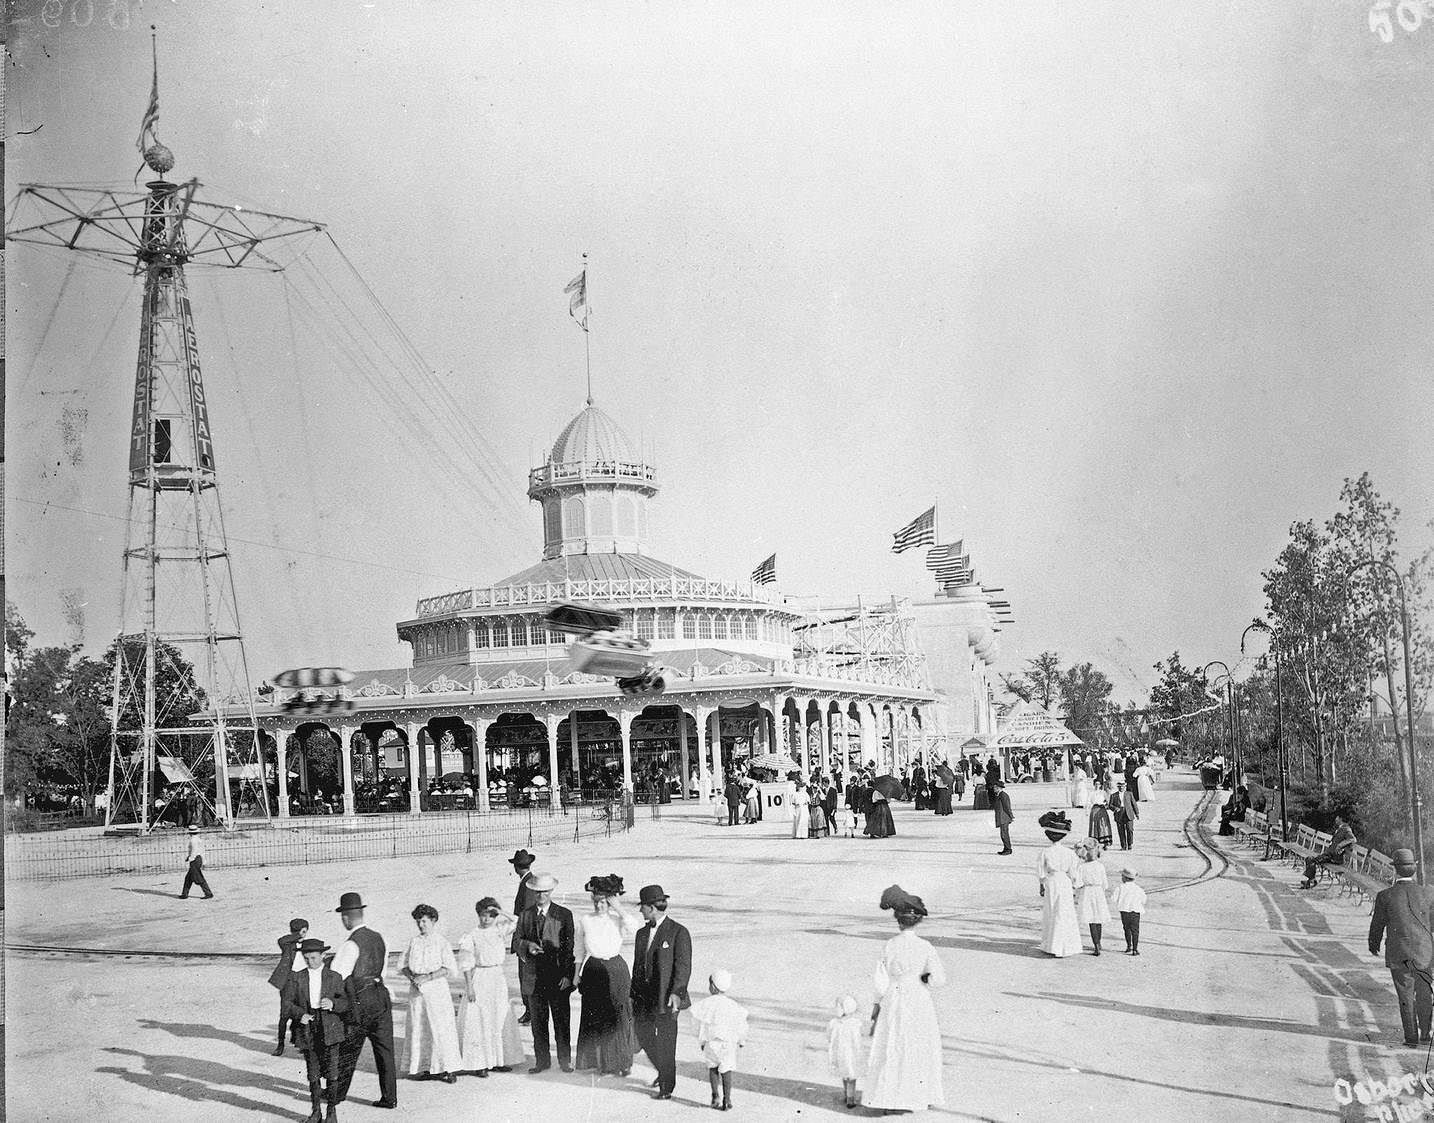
602	469
601	592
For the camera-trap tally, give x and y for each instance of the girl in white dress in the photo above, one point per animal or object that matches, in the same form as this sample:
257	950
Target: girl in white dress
428	964
844	1046
904	1066
1056	868
1091	884
801	812
487	1027
1144	782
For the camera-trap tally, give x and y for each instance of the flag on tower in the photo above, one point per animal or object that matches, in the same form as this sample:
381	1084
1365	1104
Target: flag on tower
957	567
766	573
578	306
151	113
937	555
920	531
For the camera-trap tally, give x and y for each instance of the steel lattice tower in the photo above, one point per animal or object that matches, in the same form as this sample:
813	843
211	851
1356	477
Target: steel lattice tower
178	589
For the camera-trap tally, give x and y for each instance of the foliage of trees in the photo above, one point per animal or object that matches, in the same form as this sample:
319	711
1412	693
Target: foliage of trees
1079	693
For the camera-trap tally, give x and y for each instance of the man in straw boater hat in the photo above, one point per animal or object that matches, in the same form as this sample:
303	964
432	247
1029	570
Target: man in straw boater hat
661	969
522	863
315	1000
360	961
1404	921
545	936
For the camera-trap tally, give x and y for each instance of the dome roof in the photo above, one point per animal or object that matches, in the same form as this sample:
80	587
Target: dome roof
592	437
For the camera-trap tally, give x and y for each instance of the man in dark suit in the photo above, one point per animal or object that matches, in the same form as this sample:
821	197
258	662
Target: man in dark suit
288	950
360	962
315	1000
1124	810
732	793
1001	806
1406	911
661	968
522	863
544	935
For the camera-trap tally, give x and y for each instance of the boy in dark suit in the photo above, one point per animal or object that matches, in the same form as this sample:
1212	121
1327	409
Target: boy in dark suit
315	1000
544	937
289	961
1406	910
661	968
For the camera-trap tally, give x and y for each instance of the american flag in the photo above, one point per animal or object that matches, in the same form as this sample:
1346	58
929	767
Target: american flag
947	553
920	531
578	306
151	116
956	567
766	573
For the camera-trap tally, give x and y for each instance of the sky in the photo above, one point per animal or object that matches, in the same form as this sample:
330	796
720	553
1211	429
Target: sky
1124	293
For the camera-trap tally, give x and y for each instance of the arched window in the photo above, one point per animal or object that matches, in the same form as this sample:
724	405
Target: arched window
574	524
704	626
480	633
626	516
601	504
644	623
689	626
500	633
666	623
719	627
750	627
553	521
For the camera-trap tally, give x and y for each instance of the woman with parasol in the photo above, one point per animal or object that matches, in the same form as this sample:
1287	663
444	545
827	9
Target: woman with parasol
879	823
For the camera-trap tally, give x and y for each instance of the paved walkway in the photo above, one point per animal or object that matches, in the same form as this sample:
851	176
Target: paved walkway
1249	1001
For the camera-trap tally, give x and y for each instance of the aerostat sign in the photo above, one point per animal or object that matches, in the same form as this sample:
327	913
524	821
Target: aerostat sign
139	434
199	409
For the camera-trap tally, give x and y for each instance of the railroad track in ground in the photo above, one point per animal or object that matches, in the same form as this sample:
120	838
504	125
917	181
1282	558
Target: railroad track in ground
1197	836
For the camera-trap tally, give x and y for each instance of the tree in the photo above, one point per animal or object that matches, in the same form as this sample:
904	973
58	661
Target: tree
59	724
1181	694
1040	682
1085	695
177	694
17	637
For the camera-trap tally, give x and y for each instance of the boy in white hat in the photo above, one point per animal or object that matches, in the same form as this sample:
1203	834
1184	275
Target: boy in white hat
721	1030
1129	900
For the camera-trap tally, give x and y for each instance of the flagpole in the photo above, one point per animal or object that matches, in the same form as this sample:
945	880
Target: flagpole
587	335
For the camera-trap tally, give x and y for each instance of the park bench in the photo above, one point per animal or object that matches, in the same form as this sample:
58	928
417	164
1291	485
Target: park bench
1253	827
1367	877
1301	846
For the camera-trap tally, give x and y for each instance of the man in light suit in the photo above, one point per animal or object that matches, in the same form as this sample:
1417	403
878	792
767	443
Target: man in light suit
1406	911
315	1000
661	968
545	936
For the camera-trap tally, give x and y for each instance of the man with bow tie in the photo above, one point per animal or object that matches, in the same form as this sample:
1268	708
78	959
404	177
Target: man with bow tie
661	967
544	937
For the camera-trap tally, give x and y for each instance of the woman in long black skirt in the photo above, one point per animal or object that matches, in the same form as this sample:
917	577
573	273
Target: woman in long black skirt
605	1038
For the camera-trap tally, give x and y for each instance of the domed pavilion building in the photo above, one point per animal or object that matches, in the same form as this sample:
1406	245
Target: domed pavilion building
490	698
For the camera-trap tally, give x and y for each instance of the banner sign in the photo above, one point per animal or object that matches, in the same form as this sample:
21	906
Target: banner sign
140	429
203	441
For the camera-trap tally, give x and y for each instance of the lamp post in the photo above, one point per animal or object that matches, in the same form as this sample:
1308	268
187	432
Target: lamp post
1229	720
1408	709
1260	625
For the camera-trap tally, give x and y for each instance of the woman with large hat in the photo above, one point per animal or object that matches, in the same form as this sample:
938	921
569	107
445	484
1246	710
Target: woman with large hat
904	1067
605	1035
1056	867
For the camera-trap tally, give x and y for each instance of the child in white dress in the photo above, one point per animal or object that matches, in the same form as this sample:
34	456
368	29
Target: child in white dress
721	1030
845	823
1091	883
844	1046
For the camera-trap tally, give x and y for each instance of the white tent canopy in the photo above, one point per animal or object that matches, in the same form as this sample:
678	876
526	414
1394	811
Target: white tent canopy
1029	726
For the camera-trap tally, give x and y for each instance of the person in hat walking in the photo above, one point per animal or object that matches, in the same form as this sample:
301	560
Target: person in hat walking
1056	867
661	970
1124	810
194	859
721	1030
904	1066
291	961
1129	901
360	961
1405	914
1001	807
522	863
544	936
316	1000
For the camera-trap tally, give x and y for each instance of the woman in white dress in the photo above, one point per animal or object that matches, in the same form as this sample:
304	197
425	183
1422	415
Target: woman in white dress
801	811
1080	787
606	1041
1144	782
904	1066
1056	868
1091	884
487	1027
428	964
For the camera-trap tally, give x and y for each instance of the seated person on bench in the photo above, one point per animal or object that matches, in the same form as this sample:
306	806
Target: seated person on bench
1339	847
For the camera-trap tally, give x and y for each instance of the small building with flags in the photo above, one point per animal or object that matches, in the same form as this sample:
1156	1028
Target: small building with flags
490	703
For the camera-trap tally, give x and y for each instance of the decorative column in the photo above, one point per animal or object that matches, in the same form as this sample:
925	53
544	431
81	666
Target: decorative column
574	762
714	719
704	781
554	795
281	765
346	733
480	746
624	728
682	751
824	738
801	705
869	739
413	730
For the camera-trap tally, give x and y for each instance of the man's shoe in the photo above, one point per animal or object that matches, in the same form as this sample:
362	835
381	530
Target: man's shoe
449	1078
656	1082
663	1096
1005	851
526	1019
385	1103
332	1115
565	1066
537	1069
279	1049
501	1068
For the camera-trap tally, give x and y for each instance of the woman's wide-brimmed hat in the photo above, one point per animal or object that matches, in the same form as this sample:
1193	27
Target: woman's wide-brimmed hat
607	885
1055	824
899	901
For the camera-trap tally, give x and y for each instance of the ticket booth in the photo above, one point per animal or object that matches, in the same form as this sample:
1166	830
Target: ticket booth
776	801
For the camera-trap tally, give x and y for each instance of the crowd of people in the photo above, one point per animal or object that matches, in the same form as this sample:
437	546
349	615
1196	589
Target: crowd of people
332	1001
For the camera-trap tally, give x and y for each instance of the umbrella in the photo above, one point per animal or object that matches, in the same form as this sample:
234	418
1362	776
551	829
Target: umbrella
888	786
1167	743
774	761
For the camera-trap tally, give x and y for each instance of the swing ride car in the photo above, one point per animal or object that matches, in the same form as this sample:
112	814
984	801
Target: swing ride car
317	687
601	648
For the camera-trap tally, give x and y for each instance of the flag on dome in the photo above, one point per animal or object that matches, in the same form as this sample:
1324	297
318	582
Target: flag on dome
920	531
151	113
578	306
947	553
766	573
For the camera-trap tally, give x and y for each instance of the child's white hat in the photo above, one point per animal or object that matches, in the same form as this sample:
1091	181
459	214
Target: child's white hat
721	979
846	1004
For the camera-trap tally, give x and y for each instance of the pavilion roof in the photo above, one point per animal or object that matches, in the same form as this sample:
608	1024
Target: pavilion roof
596	567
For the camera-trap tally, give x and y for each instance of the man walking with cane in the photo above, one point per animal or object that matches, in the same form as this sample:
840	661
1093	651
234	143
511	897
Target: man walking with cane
195	859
